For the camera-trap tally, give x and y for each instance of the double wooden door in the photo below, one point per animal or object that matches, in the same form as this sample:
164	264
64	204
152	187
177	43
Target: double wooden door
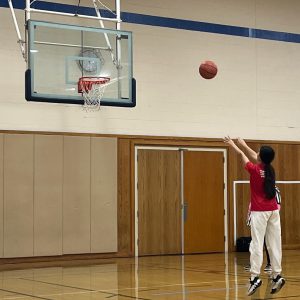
180	201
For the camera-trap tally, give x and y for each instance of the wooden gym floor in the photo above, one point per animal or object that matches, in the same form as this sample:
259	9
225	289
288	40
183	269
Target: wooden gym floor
158	277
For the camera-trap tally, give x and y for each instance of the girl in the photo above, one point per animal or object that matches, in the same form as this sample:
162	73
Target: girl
265	219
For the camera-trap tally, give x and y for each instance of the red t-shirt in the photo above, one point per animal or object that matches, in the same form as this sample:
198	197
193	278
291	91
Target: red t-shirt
259	202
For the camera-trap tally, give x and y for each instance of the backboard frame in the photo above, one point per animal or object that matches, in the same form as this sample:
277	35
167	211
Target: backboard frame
32	95
114	16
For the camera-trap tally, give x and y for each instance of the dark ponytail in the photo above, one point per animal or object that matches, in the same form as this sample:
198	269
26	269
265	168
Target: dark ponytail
269	184
267	155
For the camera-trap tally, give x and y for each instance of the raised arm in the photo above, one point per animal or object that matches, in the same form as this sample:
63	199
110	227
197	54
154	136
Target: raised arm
252	155
231	143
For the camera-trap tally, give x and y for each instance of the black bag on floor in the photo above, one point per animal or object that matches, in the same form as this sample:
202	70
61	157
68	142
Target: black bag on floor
243	243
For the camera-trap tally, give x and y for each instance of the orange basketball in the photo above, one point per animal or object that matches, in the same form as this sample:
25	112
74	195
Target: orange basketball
208	69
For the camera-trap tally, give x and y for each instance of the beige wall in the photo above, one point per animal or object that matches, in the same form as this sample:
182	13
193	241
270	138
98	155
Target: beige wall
18	195
103	213
77	195
257	80
60	195
48	196
49	185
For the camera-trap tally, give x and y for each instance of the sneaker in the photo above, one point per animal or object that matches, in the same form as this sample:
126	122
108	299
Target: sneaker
247	268
254	285
277	284
268	268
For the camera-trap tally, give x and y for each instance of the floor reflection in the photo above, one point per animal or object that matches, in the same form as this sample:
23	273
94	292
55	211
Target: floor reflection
206	276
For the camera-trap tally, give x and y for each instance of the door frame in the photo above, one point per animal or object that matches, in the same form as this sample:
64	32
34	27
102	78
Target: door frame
181	149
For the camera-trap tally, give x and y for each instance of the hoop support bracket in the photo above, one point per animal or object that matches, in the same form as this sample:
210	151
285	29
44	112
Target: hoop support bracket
20	41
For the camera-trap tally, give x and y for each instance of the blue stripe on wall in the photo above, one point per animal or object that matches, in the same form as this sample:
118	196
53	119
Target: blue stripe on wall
166	22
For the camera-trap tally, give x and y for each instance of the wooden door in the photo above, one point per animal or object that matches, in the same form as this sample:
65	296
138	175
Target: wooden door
159	205
204	202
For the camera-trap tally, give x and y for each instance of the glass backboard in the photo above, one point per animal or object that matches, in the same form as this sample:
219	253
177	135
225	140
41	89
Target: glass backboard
60	54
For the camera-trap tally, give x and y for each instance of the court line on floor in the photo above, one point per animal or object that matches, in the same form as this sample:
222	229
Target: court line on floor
195	291
84	289
85	292
23	294
113	291
188	269
283	297
72	293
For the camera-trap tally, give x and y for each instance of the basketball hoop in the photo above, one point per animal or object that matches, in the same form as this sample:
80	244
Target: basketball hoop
92	90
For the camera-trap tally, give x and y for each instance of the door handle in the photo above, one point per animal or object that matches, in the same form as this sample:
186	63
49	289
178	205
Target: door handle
185	211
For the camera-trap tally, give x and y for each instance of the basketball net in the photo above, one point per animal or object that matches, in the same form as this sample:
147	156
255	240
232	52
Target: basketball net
92	90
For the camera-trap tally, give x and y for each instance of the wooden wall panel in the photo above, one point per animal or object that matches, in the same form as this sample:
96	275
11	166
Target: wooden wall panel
125	198
1	196
48	179
76	195
287	167
104	195
159	202
242	204
290	214
18	195
204	201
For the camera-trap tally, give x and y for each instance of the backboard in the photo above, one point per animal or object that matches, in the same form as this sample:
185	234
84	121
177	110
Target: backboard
60	54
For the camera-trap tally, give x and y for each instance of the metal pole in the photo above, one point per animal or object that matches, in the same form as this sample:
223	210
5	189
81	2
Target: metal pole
183	204
70	15
118	27
118	12
20	41
27	18
105	34
27	10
